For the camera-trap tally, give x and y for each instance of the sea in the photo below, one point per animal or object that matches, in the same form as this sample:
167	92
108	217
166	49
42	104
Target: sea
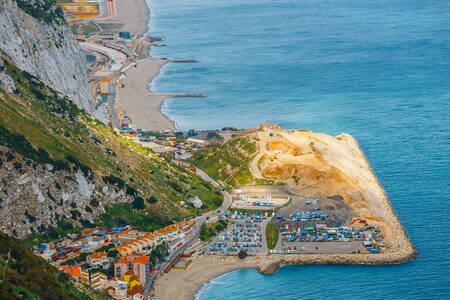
378	70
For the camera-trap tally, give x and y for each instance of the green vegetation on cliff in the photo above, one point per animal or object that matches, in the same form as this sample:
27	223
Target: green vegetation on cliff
210	230
229	163
47	11
41	127
26	276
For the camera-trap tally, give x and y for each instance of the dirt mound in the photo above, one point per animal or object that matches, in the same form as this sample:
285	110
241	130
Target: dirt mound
319	165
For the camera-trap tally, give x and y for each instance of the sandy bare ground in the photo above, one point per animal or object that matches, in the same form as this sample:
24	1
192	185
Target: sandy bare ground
330	165
133	15
136	100
184	284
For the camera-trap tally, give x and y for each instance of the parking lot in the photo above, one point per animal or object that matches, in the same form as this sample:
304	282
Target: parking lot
323	239
247	232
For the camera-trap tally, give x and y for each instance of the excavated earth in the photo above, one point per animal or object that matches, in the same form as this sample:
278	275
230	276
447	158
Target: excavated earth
335	170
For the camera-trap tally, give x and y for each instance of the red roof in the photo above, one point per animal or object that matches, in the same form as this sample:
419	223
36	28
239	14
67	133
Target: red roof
122	261
97	255
143	259
137	289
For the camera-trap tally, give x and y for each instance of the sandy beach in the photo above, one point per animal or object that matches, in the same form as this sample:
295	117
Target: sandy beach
132	15
135	100
184	284
138	103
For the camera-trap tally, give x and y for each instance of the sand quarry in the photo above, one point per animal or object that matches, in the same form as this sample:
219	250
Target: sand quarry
319	166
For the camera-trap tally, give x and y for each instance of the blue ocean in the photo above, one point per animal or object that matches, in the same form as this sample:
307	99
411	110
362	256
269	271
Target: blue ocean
378	70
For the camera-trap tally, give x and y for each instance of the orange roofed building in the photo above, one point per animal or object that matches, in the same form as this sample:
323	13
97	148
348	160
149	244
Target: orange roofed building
135	293
104	86
98	259
121	267
147	240
141	268
73	271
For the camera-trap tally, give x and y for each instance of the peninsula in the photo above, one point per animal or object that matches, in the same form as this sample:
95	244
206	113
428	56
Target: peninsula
313	198
316	173
164	211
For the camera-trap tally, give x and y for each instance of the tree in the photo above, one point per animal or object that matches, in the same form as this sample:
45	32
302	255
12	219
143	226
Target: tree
242	254
152	199
113	253
138	203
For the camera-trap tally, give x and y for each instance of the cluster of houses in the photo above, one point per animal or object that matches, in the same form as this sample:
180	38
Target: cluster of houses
180	144
130	267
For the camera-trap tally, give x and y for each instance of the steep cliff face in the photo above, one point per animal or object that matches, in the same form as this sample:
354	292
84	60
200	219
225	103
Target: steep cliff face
61	169
37	39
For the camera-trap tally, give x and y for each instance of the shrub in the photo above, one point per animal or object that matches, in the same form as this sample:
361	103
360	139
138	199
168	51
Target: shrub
138	203
152	199
131	191
94	203
30	218
242	254
113	180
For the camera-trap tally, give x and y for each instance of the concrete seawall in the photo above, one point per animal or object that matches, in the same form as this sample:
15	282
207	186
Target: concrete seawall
272	262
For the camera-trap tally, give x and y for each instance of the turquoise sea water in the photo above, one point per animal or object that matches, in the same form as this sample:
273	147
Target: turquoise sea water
378	70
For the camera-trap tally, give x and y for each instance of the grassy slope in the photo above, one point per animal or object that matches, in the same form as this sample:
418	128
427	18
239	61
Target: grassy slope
272	232
72	139
26	276
229	162
210	230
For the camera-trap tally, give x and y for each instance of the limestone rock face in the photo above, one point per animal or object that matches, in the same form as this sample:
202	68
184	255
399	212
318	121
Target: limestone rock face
46	48
6	82
36	197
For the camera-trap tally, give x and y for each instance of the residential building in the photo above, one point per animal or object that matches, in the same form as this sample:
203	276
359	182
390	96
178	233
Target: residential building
104	86
98	259
121	267
84	276
131	279
73	271
138	244
135	293
141	268
116	288
98	280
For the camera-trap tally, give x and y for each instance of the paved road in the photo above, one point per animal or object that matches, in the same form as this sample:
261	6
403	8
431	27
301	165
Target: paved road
194	235
111	101
226	196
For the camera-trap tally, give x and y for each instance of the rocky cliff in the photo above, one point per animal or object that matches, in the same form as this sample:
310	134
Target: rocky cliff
60	169
37	39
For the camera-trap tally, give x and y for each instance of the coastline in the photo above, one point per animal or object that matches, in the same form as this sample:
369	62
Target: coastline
180	284
136	100
185	284
143	107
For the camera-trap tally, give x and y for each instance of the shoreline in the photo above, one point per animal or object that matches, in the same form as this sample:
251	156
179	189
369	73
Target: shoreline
143	107
137	101
401	251
185	284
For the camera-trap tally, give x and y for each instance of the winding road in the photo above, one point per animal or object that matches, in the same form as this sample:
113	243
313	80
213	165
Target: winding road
196	231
